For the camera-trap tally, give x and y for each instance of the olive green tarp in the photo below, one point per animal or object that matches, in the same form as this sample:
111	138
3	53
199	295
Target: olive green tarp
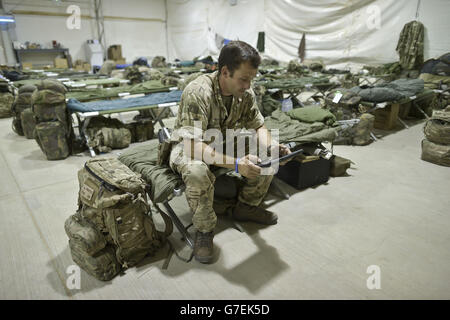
94	82
292	83
81	78
151	86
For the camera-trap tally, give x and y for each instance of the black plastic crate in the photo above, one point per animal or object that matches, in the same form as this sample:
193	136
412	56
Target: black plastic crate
301	175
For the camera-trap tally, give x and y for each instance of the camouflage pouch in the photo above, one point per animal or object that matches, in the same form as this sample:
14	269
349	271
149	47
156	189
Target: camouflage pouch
84	235
24	99
52	139
103	265
28	123
51	85
47	97
45	112
28	88
17	126
339	166
436	153
437	129
363	129
116	196
6	102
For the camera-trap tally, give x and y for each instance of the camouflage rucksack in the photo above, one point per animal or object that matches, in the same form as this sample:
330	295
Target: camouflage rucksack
113	212
21	103
437	128
53	132
363	129
133	74
159	62
105	134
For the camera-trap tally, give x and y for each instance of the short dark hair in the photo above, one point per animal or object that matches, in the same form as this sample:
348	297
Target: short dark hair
236	52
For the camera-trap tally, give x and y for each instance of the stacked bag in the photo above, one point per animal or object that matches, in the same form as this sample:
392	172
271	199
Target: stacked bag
23	119
436	145
6	99
113	228
53	130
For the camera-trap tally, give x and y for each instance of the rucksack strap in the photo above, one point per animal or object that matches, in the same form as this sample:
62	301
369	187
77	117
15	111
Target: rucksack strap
167	221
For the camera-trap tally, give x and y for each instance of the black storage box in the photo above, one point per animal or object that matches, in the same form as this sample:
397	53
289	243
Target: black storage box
301	175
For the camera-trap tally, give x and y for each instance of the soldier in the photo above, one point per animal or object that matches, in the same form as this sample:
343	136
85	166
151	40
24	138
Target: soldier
222	100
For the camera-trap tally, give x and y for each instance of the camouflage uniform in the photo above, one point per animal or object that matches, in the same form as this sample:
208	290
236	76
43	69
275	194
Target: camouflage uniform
410	45
202	101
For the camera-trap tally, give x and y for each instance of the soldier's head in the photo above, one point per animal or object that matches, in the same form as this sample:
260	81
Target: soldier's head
238	65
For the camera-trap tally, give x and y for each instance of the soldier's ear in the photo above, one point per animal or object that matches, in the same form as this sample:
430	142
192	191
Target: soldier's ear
225	71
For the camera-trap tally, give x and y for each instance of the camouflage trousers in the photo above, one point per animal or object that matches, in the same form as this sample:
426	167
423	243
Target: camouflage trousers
199	179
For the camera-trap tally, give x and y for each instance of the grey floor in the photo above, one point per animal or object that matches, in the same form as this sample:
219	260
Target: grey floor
391	211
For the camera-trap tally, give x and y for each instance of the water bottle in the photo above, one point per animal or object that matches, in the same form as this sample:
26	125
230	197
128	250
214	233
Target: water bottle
286	105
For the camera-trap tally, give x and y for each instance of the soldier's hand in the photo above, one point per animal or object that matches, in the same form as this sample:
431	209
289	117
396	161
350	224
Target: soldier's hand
247	166
282	151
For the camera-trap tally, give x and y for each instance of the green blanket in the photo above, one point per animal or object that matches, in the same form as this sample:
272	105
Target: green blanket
162	179
312	114
301	132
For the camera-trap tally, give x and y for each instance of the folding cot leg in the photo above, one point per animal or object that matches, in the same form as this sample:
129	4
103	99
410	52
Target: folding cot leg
420	109
403	123
82	130
179	225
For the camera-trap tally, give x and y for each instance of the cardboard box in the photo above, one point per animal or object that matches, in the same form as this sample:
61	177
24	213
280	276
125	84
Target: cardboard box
115	52
120	61
27	65
87	67
61	63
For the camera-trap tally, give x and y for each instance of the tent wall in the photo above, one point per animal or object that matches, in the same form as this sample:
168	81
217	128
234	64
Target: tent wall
138	25
337	32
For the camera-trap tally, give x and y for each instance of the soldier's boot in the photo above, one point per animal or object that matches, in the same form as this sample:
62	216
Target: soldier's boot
244	212
203	246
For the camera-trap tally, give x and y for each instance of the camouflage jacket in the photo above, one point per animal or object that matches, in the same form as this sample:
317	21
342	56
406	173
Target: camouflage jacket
410	45
201	101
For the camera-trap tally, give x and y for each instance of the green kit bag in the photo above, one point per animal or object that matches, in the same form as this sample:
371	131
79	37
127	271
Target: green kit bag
51	137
